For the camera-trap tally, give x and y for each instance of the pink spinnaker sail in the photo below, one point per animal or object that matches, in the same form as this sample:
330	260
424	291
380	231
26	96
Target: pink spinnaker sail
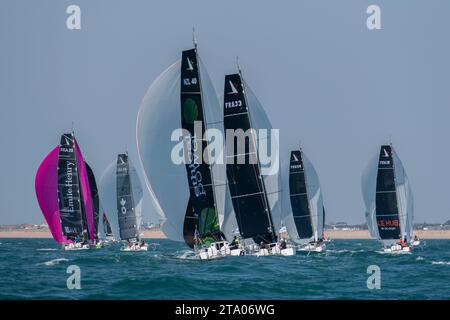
84	184
46	185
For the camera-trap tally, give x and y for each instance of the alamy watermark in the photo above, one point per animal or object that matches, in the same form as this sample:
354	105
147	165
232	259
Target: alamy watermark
74	280
237	147
374	279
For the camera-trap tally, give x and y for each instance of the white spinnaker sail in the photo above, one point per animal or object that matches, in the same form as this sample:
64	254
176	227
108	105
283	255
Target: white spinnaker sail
314	196
368	188
214	122
108	197
159	116
404	199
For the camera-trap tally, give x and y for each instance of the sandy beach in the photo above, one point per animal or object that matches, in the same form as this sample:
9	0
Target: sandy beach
148	234
364	234
158	234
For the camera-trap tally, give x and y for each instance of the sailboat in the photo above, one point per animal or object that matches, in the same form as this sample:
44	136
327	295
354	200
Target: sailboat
189	194
107	231
64	195
254	196
121	195
389	201
305	216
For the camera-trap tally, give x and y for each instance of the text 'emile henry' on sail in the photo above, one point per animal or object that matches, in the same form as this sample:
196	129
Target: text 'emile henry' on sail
241	147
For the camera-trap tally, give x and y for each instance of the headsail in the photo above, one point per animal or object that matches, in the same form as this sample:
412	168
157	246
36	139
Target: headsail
95	198
245	181
199	174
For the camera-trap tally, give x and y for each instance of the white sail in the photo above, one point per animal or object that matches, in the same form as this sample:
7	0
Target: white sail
159	116
136	189
108	197
269	169
404	199
314	196
368	188
214	122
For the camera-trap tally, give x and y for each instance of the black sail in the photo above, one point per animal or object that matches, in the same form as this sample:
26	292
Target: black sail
299	196
106	226
243	172
69	191
125	202
386	207
203	217
189	225
95	198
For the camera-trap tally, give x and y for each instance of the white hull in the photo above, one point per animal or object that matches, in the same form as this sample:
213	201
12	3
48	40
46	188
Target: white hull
76	247
312	247
218	250
275	250
415	243
135	248
396	248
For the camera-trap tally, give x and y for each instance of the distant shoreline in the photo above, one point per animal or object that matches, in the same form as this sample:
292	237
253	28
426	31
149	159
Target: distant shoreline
41	234
158	234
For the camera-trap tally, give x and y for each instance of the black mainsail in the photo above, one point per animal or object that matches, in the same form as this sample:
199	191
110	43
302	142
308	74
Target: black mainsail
106	226
125	201
95	198
69	190
245	181
386	207
201	215
299	196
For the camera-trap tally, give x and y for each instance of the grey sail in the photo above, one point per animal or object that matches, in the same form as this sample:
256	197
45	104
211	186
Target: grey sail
121	197
128	223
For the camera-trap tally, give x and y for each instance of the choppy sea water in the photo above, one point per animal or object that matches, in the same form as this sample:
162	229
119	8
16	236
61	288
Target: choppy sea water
37	269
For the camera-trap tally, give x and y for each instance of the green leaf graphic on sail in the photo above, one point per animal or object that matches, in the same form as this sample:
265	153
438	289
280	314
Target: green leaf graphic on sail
190	110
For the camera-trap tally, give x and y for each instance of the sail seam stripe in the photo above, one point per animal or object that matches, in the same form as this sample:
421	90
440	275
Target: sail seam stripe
246	195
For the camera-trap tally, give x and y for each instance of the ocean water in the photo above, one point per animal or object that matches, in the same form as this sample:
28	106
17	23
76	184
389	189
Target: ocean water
37	269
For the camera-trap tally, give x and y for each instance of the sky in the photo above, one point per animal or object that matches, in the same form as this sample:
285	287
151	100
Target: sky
323	77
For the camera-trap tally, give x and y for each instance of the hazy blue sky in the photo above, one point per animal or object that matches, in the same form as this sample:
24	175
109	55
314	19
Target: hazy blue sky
321	75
